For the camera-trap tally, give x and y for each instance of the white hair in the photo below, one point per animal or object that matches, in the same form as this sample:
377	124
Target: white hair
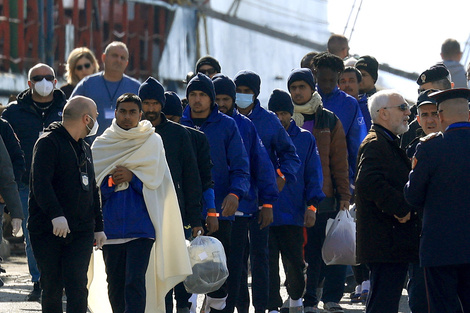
380	100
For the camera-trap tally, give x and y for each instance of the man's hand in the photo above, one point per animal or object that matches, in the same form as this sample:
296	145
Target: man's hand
121	175
16	225
265	217
100	238
212	222
195	231
310	218
60	227
280	183
229	205
343	205
403	219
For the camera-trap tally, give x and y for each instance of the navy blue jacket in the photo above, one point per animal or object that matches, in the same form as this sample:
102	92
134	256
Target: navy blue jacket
439	185
263	186
280	148
14	149
231	173
365	110
28	124
307	190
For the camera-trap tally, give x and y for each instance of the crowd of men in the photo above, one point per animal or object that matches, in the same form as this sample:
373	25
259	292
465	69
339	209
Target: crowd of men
124	166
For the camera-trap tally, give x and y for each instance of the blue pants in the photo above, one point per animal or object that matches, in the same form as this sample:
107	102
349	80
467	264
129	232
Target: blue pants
334	275
126	265
417	299
256	245
32	265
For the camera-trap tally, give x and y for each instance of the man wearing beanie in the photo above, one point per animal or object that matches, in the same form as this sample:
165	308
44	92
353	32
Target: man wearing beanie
331	141
183	168
173	109
208	65
369	68
295	209
255	211
231	167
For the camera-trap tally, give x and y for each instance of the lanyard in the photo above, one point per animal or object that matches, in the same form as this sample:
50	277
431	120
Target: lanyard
115	91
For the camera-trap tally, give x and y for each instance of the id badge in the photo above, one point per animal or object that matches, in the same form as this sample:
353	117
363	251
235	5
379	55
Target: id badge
84	181
108	114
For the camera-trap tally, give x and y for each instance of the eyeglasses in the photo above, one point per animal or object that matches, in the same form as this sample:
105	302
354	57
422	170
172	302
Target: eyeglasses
402	107
38	78
209	71
80	67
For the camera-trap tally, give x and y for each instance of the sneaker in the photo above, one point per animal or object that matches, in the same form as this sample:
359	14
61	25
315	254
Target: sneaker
35	295
364	291
356	294
312	309
332	307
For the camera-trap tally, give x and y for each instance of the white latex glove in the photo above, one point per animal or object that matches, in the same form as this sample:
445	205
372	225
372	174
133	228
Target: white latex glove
100	238
60	227
16	225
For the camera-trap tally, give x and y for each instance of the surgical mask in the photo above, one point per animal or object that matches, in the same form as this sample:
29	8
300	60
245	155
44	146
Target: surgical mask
44	87
94	129
243	100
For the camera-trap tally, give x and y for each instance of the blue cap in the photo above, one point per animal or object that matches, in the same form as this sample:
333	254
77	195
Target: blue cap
249	79
224	86
152	89
280	100
173	104
202	83
304	74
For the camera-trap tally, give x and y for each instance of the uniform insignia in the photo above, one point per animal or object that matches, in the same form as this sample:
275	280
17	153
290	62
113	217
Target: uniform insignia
430	136
423	78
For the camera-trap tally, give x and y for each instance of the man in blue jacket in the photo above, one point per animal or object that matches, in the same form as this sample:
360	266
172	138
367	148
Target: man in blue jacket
296	208
255	211
231	166
32	112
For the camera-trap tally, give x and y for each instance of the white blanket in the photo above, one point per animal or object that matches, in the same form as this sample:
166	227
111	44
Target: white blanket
141	151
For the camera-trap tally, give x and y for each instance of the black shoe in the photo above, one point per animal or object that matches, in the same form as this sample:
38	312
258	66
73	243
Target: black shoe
35	295
1	283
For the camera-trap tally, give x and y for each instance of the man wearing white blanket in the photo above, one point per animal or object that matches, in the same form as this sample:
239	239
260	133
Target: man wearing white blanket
139	208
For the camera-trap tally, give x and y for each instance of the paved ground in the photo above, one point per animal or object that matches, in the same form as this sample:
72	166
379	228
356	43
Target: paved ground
18	285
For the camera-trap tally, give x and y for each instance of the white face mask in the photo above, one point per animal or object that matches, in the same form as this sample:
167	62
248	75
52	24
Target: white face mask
94	129
243	100
44	87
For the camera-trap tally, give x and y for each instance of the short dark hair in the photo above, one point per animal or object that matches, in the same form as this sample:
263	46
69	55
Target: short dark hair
328	60
129	97
351	69
336	43
307	60
450	48
442	84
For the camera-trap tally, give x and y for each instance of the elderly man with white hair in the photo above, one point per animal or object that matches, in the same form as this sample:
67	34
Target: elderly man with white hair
387	227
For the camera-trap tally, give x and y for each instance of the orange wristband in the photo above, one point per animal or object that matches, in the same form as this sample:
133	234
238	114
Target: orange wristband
213	214
110	181
234	195
278	171
312	208
270	206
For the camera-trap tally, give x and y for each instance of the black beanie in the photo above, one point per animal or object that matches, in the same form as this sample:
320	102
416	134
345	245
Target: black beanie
202	83
224	86
370	65
173	104
208	60
152	89
249	79
304	74
280	101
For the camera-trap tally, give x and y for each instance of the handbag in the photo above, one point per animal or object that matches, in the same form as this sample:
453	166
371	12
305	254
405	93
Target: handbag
339	246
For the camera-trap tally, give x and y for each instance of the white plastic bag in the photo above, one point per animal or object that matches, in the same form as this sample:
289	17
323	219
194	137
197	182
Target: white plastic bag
339	246
209	265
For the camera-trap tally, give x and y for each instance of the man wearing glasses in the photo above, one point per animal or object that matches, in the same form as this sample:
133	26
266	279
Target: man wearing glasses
32	112
208	65
387	227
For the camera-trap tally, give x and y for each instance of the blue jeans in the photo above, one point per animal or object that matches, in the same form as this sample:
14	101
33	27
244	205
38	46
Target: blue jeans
32	265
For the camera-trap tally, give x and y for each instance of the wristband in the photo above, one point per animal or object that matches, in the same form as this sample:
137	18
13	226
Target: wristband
269	206
312	208
278	171
234	195
110	181
213	214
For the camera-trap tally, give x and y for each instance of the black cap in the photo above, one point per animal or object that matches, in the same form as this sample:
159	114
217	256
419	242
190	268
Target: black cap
280	101
423	98
432	74
449	94
369	64
208	60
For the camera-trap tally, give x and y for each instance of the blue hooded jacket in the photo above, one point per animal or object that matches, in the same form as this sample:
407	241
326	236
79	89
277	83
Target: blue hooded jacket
348	111
263	187
231	166
280	148
307	190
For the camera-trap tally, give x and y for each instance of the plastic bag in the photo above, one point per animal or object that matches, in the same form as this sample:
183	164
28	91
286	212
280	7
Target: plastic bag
339	246
209	265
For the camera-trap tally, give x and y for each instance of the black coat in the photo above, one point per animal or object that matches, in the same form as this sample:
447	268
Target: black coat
382	172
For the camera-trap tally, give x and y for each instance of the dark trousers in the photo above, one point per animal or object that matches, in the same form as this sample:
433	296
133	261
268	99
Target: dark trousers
417	299
288	240
256	245
63	262
334	275
448	288
126	265
386	285
361	273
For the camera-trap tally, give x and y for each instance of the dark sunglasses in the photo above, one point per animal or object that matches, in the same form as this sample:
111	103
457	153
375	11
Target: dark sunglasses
208	71
80	67
38	78
402	107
